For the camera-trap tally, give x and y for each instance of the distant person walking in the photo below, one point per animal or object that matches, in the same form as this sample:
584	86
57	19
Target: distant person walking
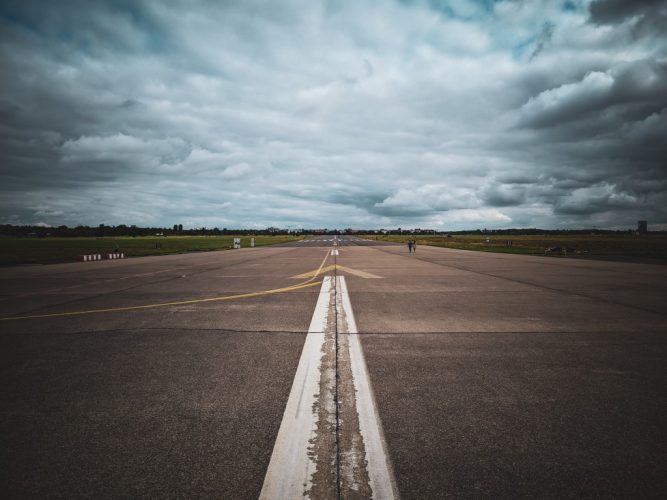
409	246
414	246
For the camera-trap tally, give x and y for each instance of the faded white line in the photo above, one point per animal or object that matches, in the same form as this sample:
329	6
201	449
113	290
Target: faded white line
312	440
291	469
380	474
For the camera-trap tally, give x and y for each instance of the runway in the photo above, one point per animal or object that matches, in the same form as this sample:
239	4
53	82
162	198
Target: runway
492	375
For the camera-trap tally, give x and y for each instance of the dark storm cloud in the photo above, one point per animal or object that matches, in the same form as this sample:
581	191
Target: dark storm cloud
627	92
616	11
646	18
432	114
600	133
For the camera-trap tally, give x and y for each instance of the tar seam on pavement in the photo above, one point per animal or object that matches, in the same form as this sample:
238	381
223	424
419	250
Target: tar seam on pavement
337	379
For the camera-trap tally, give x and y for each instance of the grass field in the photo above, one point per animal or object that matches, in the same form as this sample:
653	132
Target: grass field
617	246
30	250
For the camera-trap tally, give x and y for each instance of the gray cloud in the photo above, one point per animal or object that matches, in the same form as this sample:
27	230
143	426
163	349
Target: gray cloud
431	114
597	198
627	92
616	11
505	195
645	18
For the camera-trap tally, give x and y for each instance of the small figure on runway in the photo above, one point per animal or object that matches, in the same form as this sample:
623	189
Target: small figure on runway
414	246
409	246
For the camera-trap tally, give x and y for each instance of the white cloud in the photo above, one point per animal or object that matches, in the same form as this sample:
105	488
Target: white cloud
601	197
485	215
427	199
236	171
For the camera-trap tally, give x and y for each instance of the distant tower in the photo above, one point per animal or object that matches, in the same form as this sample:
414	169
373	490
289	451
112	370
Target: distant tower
642	227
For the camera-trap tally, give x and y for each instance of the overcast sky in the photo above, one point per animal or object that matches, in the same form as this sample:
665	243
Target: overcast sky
442	114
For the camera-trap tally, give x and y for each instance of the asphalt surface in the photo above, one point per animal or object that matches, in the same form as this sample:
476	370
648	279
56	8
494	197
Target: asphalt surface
183	401
504	376
495	375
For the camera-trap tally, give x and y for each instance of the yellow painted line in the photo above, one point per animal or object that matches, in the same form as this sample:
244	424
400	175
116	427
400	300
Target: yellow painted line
306	284
319	269
298	286
344	269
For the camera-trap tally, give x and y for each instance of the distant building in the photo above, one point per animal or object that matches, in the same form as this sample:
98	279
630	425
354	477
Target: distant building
642	227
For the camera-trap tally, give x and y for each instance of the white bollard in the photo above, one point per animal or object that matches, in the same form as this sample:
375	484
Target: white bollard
252	242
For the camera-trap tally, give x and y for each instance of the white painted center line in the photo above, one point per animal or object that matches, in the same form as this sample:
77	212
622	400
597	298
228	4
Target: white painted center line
291	469
317	454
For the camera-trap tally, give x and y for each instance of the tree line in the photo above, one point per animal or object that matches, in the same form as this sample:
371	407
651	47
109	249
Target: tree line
178	230
123	230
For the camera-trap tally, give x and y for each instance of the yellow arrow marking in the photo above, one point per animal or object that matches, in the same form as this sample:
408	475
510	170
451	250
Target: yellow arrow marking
313	273
339	268
356	272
